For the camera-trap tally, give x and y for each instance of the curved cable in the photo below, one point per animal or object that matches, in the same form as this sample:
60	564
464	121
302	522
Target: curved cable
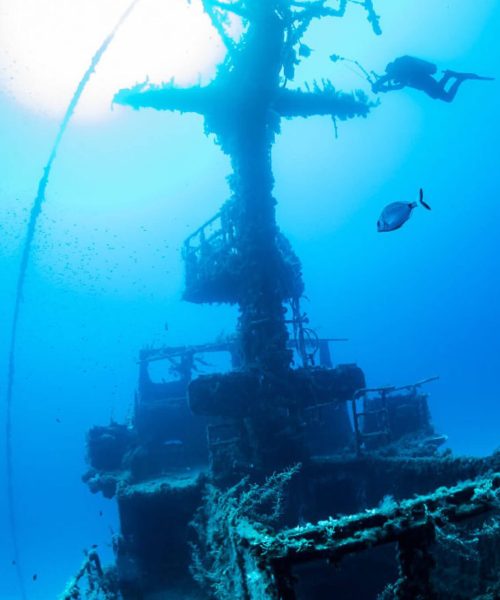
28	242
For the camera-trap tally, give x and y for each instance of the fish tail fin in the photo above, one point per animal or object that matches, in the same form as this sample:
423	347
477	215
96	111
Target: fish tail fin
421	198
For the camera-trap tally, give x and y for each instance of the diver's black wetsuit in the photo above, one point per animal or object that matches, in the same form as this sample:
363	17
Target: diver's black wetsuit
408	71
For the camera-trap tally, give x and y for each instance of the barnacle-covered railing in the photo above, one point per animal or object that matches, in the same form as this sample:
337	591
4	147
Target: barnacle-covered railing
412	524
213	262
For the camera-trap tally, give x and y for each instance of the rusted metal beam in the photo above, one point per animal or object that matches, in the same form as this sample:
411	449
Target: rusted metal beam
334	538
273	556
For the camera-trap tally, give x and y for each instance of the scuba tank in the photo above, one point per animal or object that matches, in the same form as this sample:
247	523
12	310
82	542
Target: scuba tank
409	64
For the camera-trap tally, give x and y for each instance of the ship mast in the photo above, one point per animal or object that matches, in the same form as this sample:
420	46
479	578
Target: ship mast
243	107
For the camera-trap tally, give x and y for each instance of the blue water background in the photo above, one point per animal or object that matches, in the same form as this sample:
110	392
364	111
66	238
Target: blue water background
106	274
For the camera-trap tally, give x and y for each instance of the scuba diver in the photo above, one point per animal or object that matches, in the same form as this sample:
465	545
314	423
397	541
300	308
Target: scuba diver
408	71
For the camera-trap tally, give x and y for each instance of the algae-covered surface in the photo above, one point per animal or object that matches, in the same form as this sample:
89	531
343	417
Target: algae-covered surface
226	303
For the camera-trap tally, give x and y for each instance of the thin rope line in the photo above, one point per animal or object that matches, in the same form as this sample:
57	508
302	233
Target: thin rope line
28	242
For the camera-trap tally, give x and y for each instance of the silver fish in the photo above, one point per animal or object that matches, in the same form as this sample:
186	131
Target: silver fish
396	214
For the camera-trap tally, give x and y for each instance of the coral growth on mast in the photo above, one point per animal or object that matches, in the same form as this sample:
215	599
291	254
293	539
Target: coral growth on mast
243	107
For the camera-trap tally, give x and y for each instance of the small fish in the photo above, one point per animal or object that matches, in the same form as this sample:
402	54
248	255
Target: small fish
100	513
304	51
396	214
34	577
172	443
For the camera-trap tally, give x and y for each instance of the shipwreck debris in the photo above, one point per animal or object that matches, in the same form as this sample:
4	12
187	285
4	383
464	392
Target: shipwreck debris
217	444
265	560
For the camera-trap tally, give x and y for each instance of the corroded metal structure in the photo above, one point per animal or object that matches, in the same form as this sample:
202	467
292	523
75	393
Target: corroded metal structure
411	524
243	107
203	446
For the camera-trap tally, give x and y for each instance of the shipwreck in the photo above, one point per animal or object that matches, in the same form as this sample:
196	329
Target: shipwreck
284	475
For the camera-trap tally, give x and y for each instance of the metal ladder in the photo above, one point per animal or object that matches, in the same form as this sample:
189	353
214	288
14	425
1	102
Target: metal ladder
384	432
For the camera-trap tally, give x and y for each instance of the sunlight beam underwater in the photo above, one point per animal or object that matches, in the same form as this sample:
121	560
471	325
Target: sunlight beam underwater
28	242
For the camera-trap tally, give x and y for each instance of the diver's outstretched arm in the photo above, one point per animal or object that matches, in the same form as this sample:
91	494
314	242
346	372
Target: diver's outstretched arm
385	84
